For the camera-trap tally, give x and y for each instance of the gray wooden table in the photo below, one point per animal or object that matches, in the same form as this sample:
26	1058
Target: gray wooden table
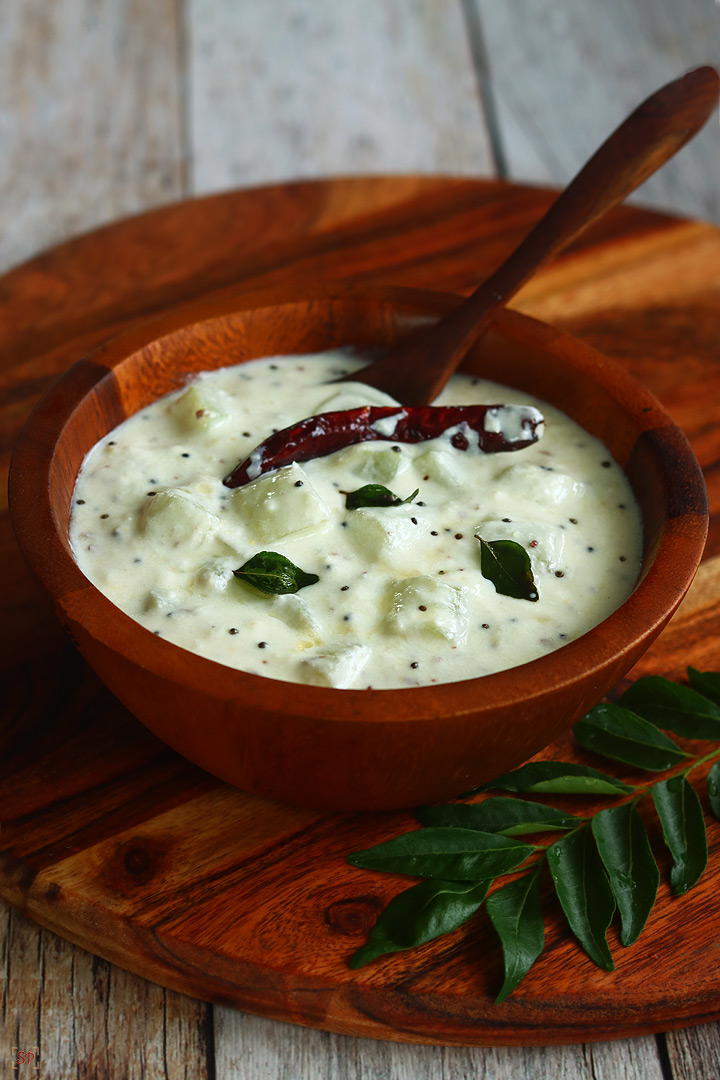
110	107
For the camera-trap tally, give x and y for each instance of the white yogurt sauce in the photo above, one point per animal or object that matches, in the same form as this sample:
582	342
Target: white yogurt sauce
401	600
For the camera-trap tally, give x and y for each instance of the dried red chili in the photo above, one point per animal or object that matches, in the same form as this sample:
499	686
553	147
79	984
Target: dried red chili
328	432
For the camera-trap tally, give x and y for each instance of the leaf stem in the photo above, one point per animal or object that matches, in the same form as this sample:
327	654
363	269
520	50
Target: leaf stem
700	761
591	876
641	790
544	848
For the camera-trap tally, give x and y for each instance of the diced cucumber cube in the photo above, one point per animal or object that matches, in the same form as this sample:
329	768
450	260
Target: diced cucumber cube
280	504
296	613
440	466
213	577
547	485
384	533
172	519
424	605
161	600
198	410
339	667
376	465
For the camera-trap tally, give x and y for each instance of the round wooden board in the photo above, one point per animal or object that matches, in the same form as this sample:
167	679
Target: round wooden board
118	844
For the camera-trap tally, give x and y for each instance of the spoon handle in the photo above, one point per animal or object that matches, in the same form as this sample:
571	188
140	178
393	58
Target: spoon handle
418	369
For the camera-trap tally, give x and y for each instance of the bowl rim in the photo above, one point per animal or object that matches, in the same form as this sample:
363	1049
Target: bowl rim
80	603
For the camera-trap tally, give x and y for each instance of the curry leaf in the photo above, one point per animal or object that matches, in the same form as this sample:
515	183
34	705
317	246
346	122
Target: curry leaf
706	682
375	495
677	708
634	876
623	736
273	573
507	565
511	817
584	892
516	913
449	854
559	778
683	827
420	914
604	861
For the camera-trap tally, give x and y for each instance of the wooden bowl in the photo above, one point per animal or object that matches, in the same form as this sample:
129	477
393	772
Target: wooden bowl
353	749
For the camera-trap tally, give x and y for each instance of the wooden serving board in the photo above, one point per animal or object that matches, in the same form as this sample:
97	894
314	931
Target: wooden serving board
118	844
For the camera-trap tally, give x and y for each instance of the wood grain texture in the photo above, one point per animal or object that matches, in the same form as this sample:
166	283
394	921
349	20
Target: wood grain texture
561	88
141	870
249	1047
90	116
89	1019
68	163
694	1054
665	334
321	88
131	818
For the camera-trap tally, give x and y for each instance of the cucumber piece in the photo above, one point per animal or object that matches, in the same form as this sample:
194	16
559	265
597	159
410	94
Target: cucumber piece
280	504
172	519
425	606
197	410
338	667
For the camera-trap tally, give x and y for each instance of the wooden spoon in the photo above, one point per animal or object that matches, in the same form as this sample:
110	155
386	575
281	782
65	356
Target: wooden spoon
416	371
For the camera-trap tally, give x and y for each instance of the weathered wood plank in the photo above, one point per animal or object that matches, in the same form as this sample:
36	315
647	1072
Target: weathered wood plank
248	1048
285	89
694	1053
89	116
90	123
88	1018
565	72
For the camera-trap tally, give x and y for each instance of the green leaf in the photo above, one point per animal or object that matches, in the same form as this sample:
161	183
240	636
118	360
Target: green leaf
375	495
507	565
713	787
559	778
594	869
683	827
634	877
516	914
623	736
706	682
273	573
419	914
511	817
584	893
677	708
449	854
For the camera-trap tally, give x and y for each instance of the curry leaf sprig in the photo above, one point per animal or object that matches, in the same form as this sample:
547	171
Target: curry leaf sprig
603	864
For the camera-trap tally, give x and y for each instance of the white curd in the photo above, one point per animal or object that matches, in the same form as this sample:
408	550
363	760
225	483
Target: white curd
400	600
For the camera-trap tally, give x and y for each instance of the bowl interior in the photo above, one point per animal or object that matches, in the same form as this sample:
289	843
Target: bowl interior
120	379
